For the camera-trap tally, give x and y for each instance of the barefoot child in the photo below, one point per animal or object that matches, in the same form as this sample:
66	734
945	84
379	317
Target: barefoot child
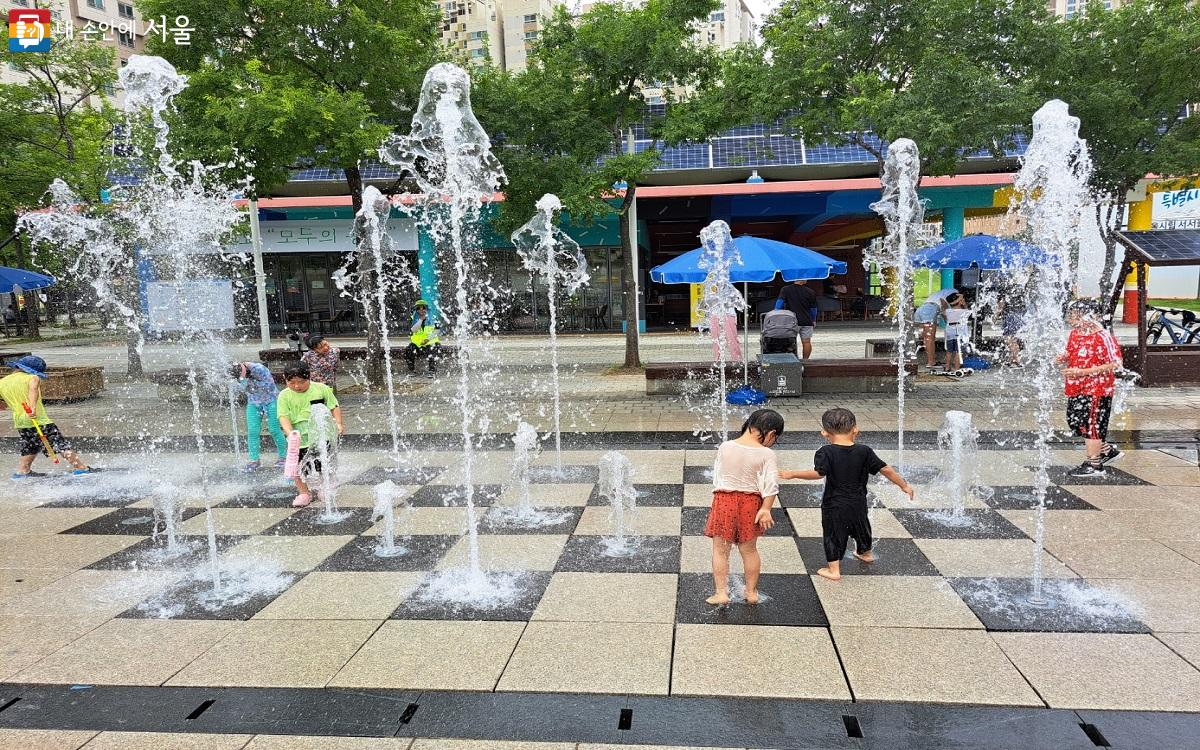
745	484
22	392
295	413
845	465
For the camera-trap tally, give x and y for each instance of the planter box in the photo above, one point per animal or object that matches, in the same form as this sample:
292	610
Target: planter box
68	383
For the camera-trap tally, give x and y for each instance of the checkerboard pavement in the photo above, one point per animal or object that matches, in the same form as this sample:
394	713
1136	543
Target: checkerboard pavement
84	583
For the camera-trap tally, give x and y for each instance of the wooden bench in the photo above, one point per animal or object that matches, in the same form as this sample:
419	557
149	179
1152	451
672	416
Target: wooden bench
867	375
668	378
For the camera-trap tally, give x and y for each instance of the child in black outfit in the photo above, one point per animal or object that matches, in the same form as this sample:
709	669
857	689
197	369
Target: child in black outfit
845	467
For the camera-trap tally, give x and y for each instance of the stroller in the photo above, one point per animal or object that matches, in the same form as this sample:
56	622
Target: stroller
778	332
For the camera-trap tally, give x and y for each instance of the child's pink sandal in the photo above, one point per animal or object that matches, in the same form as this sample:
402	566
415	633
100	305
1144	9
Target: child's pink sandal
302	500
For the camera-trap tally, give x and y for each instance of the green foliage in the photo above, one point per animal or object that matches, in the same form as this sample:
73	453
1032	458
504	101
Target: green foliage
285	82
946	73
562	123
52	125
1128	74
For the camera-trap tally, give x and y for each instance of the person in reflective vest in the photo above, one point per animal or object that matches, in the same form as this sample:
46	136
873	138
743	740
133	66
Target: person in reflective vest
424	340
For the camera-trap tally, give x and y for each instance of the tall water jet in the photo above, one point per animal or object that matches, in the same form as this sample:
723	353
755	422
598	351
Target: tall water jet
1050	194
384	509
326	448
547	250
185	220
616	486
720	302
449	156
374	250
903	215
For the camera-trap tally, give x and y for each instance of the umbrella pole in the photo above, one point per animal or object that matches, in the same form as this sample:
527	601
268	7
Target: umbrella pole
746	335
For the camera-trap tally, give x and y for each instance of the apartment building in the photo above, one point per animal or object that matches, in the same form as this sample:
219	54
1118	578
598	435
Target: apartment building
732	24
1069	8
472	28
113	23
521	22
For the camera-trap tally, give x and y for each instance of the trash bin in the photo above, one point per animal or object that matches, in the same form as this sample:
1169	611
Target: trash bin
780	374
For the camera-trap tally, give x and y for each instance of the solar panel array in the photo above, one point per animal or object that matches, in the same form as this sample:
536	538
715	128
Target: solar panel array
756	145
1167	247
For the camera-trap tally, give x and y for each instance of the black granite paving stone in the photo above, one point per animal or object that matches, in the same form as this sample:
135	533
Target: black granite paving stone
192	599
893	557
308	522
648	495
449	495
1002	604
980	523
1112	476
424	604
1022	498
422	552
792	601
150	554
652	554
127	521
502	520
410	475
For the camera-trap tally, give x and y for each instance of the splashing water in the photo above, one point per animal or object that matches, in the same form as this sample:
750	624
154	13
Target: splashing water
376	244
449	155
326	438
546	249
185	223
903	214
169	511
525	514
720	301
1051	192
386	493
959	441
616	485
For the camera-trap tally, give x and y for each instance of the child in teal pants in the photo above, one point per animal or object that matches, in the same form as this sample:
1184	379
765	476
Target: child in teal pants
260	389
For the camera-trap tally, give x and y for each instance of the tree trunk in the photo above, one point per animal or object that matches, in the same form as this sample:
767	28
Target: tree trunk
628	291
133	367
1107	226
69	300
375	371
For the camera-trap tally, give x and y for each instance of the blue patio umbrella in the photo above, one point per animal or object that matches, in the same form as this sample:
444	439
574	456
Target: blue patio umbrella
27	280
761	260
983	250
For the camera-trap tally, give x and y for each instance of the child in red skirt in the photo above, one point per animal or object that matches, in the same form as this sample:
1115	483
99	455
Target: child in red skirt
745	484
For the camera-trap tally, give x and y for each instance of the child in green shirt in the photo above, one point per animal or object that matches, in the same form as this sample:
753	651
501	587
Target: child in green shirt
23	389
294	407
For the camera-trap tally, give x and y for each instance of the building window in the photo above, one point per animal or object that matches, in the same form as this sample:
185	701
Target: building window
108	89
531	18
125	38
530	36
718	15
125	10
478	35
97	4
478	53
22	3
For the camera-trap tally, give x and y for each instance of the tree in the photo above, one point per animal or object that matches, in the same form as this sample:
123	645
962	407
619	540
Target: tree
945	73
290	82
1129	75
55	124
563	125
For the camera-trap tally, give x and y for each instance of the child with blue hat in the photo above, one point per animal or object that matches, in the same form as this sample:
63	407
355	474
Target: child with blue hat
22	392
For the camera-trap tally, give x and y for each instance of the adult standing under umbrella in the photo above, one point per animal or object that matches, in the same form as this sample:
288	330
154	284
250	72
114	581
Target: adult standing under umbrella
802	302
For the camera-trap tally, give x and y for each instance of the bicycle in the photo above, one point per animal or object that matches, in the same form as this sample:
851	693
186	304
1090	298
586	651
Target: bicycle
1187	332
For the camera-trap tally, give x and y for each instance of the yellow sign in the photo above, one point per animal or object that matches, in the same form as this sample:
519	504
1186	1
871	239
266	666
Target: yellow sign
696	296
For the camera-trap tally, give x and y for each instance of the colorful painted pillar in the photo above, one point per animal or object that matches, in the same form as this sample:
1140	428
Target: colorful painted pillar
427	271
953	220
1140	215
